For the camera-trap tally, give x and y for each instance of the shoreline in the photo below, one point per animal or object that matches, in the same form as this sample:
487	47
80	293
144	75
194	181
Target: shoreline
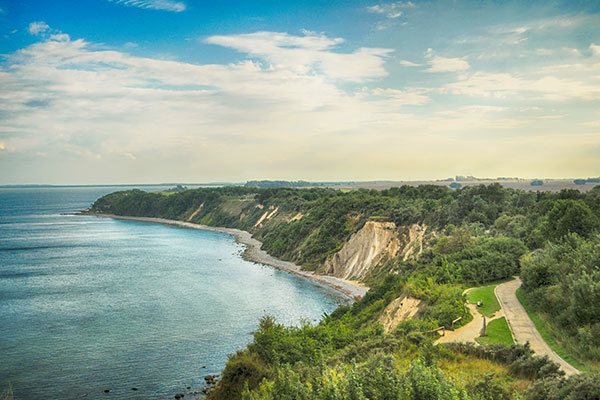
253	252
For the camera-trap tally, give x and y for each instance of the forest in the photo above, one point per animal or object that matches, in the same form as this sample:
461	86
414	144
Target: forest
478	234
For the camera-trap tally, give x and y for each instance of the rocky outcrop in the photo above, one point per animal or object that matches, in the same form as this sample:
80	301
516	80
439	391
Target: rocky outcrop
411	239
375	242
400	309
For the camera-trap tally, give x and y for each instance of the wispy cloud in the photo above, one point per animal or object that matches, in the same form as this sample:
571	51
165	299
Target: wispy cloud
402	97
445	64
406	63
310	52
163	5
391	10
504	85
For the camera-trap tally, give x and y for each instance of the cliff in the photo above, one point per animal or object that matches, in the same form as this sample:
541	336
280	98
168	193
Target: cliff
315	229
372	245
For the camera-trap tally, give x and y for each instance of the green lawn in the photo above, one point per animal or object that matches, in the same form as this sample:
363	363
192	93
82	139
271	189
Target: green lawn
551	339
497	332
487	296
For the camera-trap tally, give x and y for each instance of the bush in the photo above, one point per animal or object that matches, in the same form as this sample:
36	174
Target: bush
242	372
577	387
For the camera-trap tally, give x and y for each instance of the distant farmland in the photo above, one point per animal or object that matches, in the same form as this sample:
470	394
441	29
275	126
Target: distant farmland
549	185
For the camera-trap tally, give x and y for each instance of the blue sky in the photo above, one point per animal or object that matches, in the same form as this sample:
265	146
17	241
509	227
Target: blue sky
113	91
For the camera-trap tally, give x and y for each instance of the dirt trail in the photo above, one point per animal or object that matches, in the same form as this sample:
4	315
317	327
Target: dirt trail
522	327
466	333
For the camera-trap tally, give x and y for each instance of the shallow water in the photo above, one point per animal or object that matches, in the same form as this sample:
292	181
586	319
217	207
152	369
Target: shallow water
88	303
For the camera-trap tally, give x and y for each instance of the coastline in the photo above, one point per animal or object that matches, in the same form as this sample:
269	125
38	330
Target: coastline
351	290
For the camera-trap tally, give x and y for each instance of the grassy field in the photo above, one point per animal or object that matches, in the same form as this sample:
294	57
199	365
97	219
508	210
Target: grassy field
549	337
497	332
487	296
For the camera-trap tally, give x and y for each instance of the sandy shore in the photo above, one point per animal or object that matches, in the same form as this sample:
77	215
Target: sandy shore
254	252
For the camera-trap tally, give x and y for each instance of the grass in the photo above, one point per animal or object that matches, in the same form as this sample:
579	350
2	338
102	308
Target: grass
549	337
486	295
497	332
471	370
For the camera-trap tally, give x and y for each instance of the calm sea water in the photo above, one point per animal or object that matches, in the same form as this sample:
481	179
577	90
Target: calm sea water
88	303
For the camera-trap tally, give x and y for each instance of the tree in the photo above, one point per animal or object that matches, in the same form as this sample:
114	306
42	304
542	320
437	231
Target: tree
569	216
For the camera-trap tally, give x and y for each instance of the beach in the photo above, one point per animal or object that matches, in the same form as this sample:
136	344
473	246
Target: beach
352	290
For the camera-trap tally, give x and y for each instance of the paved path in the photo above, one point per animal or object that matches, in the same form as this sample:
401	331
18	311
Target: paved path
522	327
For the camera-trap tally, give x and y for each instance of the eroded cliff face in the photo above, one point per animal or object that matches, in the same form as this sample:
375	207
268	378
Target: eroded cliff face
374	243
411	240
397	311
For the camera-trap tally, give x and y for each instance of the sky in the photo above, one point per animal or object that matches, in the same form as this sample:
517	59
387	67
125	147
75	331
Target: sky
149	91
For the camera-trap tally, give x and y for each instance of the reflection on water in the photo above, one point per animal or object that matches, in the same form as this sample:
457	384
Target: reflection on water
88	304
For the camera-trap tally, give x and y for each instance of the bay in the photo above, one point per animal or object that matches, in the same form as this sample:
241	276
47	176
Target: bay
88	304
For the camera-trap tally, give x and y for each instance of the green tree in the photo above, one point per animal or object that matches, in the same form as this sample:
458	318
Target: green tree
570	216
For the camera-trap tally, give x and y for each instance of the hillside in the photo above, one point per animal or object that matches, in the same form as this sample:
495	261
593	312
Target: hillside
418	248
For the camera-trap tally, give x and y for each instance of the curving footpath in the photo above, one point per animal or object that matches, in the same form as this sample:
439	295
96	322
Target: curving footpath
466	333
522	327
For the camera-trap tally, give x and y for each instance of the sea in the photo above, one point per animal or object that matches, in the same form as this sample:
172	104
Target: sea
141	310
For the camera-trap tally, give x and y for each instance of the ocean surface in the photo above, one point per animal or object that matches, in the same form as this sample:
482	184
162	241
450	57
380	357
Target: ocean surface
88	303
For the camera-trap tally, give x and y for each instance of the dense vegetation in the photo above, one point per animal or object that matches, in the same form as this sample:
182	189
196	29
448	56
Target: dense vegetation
477	234
562	280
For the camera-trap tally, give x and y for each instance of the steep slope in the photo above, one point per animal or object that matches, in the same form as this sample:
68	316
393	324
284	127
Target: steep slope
400	309
374	243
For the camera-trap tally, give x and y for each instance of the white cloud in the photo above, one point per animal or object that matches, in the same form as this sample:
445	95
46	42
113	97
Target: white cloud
390	10
308	54
504	85
406	63
74	111
473	109
60	37
592	124
506	40
163	5
559	22
38	28
402	97
65	96
42	29
2	146
445	64
595	49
